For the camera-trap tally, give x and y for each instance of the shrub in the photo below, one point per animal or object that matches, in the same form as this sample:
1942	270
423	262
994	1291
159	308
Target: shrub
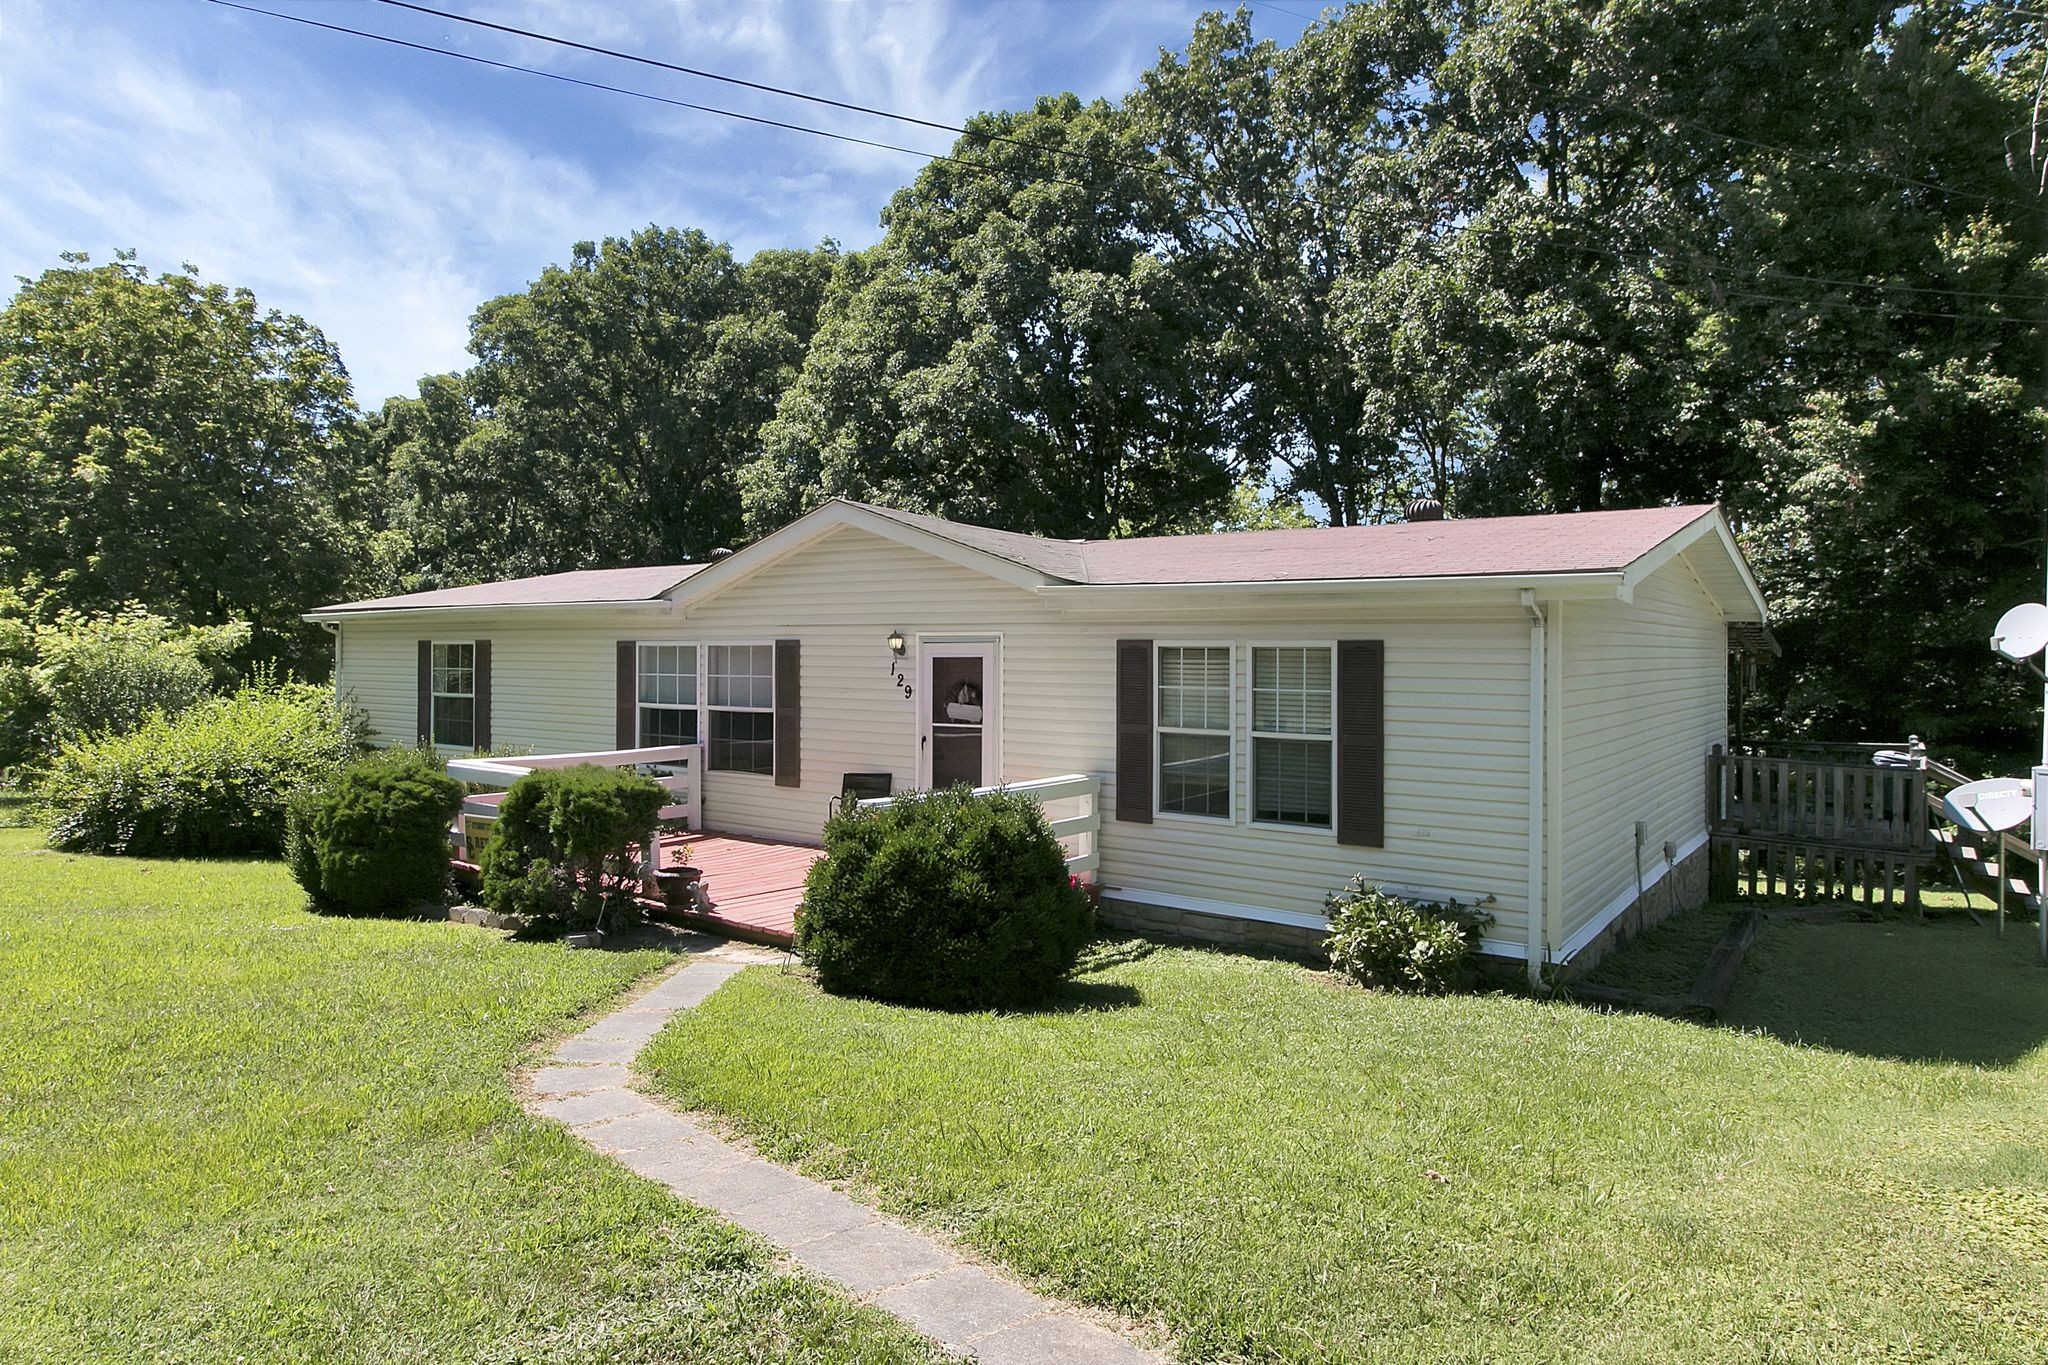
560	854
213	780
108	673
1390	943
83	675
373	839
946	899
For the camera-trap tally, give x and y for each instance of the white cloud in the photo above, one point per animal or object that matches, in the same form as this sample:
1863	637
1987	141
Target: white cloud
384	194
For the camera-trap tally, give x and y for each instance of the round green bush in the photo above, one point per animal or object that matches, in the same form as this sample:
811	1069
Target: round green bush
562	852
214	779
945	899
373	839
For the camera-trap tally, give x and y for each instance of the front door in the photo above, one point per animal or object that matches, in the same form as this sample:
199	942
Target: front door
957	715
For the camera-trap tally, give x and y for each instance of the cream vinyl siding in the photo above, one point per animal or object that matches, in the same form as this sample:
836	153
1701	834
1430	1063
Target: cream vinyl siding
1456	711
1645	698
1457	702
552	680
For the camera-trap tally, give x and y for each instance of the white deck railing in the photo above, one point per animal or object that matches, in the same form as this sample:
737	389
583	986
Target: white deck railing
1077	832
678	767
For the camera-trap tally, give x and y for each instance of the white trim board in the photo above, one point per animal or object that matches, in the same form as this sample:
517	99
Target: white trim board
1615	908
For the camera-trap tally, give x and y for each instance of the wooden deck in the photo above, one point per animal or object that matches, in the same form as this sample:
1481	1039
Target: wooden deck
751	886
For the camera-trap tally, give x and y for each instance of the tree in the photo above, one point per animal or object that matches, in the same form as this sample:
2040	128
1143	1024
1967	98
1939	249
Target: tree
611	408
164	442
1017	351
1293	174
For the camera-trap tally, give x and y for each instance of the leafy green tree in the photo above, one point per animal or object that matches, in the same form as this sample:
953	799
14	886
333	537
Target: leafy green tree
1256	508
1017	351
163	441
1292	176
605	422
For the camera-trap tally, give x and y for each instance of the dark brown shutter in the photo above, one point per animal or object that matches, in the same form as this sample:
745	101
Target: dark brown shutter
626	728
426	725
1134	730
1362	742
483	694
789	713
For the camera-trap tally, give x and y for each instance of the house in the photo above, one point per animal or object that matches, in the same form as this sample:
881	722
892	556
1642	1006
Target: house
1516	709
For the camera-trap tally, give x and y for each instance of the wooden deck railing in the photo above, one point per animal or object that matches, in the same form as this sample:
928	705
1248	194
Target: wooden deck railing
678	767
1812	829
1077	832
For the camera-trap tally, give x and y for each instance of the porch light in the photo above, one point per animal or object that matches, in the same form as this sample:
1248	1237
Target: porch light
896	643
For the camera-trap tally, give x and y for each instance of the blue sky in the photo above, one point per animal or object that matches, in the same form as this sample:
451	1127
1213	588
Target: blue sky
383	193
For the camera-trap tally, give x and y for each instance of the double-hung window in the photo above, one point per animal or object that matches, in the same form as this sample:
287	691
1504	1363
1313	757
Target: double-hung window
668	695
452	683
1194	730
1293	752
741	682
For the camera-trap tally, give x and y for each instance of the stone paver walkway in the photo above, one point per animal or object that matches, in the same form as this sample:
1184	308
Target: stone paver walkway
931	1286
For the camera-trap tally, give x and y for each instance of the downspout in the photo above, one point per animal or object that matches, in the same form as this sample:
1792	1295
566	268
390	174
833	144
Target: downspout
1537	946
334	628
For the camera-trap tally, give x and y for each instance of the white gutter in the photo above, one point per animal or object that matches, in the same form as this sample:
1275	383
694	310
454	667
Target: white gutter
1537	945
660	604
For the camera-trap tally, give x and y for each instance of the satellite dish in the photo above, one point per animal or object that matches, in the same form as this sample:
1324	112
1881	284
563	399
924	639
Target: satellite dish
2022	632
1991	805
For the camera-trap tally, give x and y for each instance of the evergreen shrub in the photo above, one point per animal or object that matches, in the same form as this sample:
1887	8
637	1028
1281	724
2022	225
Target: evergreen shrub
946	899
561	854
373	839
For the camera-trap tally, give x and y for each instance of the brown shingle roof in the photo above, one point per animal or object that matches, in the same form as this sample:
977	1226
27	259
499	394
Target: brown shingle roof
1577	542
576	588
1572	542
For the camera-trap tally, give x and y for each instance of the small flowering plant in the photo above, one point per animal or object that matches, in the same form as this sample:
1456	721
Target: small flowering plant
1391	943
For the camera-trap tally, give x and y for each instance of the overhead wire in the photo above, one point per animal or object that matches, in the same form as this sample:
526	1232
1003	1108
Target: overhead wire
917	120
785	92
618	89
1565	234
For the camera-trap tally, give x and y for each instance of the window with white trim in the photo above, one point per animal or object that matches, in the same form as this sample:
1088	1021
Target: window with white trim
1194	730
740	681
1293	750
668	695
452	684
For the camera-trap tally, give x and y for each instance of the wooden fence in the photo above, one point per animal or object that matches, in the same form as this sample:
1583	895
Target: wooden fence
1799	829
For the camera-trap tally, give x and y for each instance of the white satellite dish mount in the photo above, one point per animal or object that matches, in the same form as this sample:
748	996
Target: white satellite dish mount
2021	634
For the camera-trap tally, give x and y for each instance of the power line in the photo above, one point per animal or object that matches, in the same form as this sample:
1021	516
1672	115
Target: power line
873	111
1732	289
983	168
623	90
785	92
700	74
1295	13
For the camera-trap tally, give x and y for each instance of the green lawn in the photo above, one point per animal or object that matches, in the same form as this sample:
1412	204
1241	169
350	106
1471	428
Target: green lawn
231	1130
1275	1167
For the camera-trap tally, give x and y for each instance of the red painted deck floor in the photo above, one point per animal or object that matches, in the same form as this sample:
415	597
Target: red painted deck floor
753	885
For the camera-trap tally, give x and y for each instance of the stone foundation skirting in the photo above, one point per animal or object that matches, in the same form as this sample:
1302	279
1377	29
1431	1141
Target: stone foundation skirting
1229	931
1682	887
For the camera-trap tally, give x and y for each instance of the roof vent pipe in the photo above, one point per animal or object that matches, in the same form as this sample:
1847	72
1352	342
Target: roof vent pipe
1425	509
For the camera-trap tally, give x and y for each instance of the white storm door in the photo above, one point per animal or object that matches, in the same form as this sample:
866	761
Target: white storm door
957	709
